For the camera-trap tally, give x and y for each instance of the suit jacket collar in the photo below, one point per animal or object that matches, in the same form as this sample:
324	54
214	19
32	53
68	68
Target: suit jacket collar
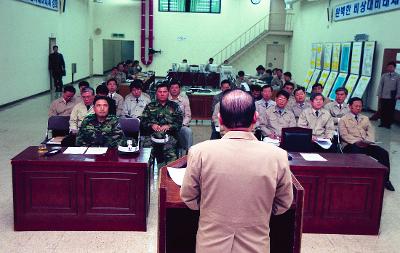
239	135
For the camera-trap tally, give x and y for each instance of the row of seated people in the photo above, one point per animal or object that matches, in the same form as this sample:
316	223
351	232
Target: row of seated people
125	70
326	118
155	116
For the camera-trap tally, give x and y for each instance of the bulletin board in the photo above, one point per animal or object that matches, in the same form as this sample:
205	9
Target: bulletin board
340	81
329	83
336	49
356	52
327	56
351	84
345	57
368	58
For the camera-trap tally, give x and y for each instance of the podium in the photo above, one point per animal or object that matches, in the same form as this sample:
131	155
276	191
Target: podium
178	224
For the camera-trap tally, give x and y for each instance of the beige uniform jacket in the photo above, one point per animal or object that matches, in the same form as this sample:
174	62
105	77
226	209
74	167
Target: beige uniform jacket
184	104
261	108
78	114
215	119
133	107
119	102
274	121
297	108
352	130
337	111
322	126
61	108
236	182
389	86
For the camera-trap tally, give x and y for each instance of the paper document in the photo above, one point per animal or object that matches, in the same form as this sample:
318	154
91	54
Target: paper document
96	151
56	140
272	141
75	150
176	174
313	157
324	143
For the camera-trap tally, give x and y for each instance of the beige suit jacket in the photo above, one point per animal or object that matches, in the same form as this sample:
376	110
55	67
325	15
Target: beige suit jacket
184	104
273	121
236	182
336	112
352	131
119	102
61	108
78	114
322	126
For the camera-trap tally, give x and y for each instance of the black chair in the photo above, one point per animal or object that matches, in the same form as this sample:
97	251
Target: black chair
58	126
296	139
130	127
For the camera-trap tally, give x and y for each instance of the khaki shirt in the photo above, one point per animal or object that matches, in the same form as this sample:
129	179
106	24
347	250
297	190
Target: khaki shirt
389	86
261	108
78	114
134	107
119	102
298	108
322	126
336	111
211	183
273	121
61	108
184	104
352	131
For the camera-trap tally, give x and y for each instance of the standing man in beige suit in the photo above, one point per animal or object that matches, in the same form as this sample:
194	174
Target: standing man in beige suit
236	182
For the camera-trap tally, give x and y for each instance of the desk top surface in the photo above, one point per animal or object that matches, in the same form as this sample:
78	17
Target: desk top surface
31	154
335	160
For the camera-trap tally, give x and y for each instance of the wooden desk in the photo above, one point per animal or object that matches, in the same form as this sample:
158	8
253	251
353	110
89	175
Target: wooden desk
343	195
80	192
196	78
177	224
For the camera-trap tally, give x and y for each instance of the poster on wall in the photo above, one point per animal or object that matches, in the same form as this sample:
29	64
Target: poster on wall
351	84
356	53
318	60
340	81
361	86
336	56
329	83
324	76
327	56
308	78
368	58
48	4
313	55
313	80
345	57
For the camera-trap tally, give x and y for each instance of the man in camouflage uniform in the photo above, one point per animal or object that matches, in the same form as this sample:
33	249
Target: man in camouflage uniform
100	129
159	118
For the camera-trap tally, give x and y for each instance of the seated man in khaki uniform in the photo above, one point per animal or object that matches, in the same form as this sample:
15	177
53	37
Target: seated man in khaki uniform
338	108
301	102
63	106
277	117
319	120
358	136
81	110
136	101
235	203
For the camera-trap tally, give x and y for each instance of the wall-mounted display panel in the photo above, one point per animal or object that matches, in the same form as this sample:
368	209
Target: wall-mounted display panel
327	55
318	59
313	55
340	81
313	80
307	80
329	83
351	84
361	86
324	76
345	57
336	56
368	58
356	52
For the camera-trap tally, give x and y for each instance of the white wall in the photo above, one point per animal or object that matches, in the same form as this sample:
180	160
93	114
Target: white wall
256	55
25	31
204	34
311	25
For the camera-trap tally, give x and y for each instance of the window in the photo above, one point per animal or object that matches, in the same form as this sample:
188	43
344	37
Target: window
197	6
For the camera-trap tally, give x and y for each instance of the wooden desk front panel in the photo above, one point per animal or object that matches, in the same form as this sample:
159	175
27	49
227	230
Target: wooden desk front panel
79	196
200	106
344	199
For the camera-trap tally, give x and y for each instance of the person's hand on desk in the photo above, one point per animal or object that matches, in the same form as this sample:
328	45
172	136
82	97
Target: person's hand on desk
314	138
156	127
273	136
165	128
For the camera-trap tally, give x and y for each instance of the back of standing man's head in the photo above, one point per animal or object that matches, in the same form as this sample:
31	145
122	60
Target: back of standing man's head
237	109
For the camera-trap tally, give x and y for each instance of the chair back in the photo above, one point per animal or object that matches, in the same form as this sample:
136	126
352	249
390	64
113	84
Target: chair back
58	125
130	127
296	139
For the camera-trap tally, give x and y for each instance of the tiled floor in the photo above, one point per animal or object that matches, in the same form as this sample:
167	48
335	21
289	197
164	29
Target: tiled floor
24	124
